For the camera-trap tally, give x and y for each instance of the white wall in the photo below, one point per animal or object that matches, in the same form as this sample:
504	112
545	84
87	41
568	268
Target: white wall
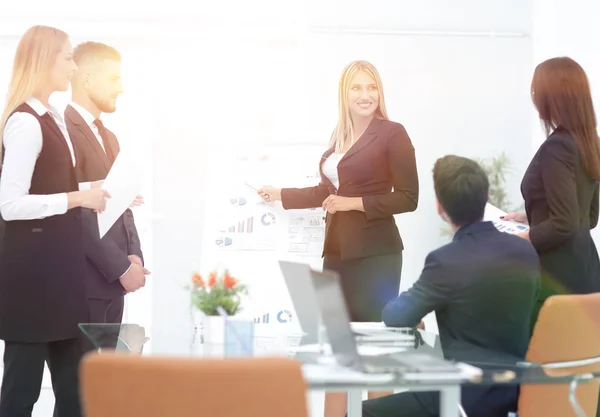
456	88
237	76
455	74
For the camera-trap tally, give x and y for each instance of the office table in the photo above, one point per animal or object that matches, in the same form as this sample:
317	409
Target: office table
322	374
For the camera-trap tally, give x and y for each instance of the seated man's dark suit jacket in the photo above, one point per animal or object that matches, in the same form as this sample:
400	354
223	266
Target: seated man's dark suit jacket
483	287
107	257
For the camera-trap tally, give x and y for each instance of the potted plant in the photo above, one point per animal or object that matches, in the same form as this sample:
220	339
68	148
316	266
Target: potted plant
496	169
218	290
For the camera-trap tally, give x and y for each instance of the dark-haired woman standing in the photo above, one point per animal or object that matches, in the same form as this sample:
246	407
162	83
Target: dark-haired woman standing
560	187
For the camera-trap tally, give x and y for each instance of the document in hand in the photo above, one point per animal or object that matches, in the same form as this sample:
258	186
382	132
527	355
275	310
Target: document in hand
493	214
123	183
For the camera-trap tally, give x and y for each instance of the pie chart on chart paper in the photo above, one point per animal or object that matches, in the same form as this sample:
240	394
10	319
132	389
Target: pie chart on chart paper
223	241
284	316
267	219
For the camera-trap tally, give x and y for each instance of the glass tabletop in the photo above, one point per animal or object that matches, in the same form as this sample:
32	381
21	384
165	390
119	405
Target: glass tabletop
136	339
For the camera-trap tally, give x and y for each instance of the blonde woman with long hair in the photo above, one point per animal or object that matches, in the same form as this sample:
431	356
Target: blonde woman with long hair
42	265
368	175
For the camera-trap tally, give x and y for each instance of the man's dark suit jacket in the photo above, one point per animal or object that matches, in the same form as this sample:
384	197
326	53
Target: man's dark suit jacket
483	287
107	257
381	168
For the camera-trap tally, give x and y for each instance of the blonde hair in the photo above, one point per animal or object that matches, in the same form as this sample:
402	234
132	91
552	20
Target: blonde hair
343	134
35	56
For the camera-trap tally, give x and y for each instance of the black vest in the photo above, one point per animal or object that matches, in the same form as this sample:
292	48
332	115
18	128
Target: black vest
42	293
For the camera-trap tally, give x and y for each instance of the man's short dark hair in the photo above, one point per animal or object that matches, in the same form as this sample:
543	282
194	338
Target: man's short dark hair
462	188
89	51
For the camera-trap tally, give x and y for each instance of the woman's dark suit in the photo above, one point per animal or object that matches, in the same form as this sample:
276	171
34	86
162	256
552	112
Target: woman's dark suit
561	202
366	248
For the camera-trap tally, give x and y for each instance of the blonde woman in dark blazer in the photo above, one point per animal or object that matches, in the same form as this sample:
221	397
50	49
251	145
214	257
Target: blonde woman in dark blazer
368	175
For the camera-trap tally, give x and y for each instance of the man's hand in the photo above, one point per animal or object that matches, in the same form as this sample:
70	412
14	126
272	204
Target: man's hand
139	201
134	259
134	279
135	337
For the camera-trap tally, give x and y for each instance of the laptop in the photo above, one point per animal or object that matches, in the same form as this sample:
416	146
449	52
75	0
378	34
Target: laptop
301	289
343	343
304	299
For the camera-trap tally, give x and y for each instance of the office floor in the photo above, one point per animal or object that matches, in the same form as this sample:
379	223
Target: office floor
45	404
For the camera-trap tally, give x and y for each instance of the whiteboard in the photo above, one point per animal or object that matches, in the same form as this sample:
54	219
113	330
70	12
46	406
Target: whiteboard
248	236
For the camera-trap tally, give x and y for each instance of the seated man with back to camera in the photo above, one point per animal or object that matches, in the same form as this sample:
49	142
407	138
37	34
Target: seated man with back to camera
482	287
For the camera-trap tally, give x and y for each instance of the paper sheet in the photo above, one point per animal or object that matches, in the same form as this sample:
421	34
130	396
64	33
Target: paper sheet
493	214
335	374
370	326
123	183
363	350
467	372
306	232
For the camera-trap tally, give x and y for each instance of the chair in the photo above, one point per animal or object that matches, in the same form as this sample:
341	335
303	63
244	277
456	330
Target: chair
121	385
565	341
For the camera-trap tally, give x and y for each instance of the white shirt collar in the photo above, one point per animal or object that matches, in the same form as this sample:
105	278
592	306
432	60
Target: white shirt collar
40	109
86	115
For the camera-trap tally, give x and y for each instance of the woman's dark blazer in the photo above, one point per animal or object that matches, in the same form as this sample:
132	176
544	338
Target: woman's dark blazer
380	167
561	202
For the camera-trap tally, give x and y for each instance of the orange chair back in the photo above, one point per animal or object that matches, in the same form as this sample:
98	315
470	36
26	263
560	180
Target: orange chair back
567	329
118	385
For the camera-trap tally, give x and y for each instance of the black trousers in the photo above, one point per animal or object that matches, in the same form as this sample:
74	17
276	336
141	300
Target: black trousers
367	283
404	404
109	311
24	370
478	401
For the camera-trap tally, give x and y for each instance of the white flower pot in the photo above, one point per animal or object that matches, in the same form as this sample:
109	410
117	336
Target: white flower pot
213	336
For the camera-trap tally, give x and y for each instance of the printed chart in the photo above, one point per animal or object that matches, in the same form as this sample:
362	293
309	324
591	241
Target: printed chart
242	221
493	214
249	236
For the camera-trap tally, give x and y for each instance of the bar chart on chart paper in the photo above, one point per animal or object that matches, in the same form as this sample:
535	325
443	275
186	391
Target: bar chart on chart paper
255	227
244	226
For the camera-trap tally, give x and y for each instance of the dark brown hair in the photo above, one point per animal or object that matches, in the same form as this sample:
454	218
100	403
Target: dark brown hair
462	187
561	94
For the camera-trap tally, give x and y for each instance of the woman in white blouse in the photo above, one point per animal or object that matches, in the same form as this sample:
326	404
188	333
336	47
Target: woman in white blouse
42	295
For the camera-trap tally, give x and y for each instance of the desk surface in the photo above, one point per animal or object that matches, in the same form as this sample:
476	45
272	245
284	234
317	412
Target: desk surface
320	369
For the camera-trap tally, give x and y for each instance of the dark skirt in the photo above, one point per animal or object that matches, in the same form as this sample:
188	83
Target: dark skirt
572	268
367	283
42	286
